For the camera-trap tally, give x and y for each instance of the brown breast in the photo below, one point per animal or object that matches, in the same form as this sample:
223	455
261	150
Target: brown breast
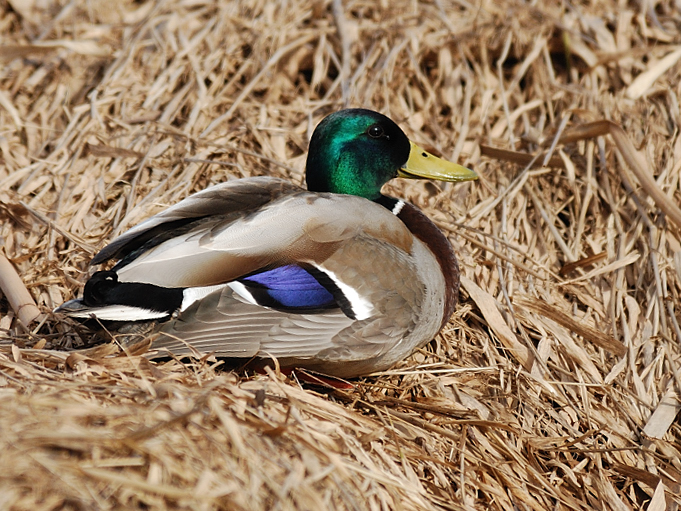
426	231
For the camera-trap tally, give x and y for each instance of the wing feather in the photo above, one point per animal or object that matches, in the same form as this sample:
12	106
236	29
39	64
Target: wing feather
231	198
293	228
224	324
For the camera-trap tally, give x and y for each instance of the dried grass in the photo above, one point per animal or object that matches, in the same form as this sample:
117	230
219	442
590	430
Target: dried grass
555	386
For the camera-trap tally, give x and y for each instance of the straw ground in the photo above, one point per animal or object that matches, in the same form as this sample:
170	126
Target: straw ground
556	383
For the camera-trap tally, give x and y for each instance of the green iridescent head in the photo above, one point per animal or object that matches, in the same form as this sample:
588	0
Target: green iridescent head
357	151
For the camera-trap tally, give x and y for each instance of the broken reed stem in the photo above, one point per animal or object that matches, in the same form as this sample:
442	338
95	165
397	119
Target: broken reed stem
17	295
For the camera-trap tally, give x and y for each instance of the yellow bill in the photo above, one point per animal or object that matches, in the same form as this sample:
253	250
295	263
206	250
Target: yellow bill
423	165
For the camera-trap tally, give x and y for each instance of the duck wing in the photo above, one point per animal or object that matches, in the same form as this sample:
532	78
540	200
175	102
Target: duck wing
247	226
238	197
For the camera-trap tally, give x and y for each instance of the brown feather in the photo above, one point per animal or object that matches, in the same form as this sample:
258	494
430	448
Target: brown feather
426	231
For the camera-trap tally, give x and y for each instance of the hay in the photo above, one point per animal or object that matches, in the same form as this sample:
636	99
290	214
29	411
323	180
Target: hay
556	384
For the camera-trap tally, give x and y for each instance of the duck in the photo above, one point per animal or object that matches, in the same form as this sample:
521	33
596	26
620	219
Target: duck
337	278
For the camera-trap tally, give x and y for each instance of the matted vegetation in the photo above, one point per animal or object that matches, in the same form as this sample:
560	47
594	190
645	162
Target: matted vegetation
555	385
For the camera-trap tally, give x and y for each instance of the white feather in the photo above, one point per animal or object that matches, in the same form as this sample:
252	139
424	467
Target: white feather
398	207
192	294
119	313
361	307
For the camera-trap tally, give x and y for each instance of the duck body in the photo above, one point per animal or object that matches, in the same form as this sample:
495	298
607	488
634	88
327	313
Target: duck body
342	283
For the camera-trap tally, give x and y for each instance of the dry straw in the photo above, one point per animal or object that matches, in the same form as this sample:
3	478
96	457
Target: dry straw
556	384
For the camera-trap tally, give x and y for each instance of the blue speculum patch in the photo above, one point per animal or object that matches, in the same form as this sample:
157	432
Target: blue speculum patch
289	287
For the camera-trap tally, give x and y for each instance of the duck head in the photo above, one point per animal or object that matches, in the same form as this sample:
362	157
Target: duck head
357	151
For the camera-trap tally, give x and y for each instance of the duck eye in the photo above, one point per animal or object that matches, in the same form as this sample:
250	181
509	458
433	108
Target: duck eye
375	131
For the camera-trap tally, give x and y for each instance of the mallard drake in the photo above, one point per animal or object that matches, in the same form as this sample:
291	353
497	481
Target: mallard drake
337	278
